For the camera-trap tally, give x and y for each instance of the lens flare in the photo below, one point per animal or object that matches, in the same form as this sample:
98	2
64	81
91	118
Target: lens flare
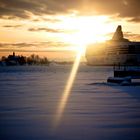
67	90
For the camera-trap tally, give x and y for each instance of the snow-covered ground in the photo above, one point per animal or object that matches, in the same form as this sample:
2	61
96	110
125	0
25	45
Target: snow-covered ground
29	97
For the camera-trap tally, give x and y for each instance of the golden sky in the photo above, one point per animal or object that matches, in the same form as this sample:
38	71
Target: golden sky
48	27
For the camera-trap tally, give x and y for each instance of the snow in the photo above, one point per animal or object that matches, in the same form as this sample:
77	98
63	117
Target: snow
29	96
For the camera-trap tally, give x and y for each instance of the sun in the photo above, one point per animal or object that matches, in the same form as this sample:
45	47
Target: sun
85	30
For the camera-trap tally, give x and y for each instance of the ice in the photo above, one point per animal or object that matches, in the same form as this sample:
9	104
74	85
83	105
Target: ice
29	96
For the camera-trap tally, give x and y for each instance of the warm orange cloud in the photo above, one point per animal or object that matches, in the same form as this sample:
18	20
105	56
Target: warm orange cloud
26	8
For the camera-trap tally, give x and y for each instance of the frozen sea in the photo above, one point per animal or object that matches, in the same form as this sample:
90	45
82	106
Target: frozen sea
29	97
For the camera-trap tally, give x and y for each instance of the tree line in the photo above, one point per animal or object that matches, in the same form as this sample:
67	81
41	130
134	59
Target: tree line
23	60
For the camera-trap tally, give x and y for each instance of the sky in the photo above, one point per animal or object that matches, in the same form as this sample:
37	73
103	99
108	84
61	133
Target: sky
60	28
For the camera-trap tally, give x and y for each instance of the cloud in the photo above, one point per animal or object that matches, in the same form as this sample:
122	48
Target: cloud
11	26
135	19
132	36
51	30
45	29
19	45
35	45
25	8
18	8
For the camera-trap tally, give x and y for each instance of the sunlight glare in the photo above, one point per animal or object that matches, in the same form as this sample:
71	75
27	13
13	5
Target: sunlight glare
86	30
67	90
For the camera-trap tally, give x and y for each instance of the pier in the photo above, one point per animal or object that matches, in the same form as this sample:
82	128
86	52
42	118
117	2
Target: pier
124	74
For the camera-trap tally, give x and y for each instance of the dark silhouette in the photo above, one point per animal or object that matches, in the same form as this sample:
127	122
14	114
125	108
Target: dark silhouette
118	35
13	60
114	51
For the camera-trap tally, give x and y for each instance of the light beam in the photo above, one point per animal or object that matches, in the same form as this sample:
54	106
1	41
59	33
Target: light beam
67	90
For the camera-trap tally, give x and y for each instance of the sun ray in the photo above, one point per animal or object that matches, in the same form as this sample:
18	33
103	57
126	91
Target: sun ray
67	90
